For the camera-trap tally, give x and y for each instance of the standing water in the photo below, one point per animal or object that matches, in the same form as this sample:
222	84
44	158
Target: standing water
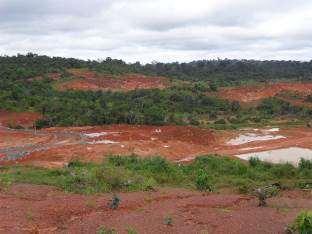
291	155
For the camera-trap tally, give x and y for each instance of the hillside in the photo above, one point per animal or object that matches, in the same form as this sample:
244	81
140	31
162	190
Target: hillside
182	147
85	80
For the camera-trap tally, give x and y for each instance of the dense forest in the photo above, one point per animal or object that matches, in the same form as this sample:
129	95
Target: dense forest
178	104
227	70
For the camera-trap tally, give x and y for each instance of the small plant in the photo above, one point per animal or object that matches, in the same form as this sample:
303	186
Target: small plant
4	184
29	215
266	192
260	194
305	184
104	230
302	224
254	161
131	231
114	202
305	164
168	221
203	181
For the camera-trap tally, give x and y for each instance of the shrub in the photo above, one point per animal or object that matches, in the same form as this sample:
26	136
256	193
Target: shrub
131	231
203	181
284	170
302	224
4	184
305	164
220	121
305	184
114	203
149	184
104	230
254	161
168	220
244	185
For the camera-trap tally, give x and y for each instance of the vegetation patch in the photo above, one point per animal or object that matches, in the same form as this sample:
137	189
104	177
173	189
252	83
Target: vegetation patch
302	224
119	173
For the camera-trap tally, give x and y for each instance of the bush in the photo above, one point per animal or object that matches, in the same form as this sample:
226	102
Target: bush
203	181
305	164
284	170
253	161
303	223
104	230
220	121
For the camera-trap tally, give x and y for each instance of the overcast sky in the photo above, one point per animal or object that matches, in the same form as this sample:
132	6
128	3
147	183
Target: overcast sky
158	30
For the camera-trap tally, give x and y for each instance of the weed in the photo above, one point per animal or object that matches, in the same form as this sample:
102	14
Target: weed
131	231
305	164
203	181
168	220
302	224
254	161
265	192
104	230
114	203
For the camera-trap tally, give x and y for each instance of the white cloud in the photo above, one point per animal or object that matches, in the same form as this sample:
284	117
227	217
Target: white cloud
162	30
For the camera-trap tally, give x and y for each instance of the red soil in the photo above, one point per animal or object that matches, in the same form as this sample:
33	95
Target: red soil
43	209
89	80
24	119
55	147
246	94
173	142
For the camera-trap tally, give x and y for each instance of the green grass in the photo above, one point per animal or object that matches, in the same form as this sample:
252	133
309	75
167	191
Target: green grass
132	173
302	224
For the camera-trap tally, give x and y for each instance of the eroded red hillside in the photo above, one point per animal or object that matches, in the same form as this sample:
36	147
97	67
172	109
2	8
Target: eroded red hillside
89	80
248	94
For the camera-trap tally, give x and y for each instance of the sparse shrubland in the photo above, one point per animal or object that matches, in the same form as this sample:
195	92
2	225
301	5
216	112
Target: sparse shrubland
136	174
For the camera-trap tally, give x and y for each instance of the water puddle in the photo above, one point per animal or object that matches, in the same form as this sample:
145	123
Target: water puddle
291	155
98	134
250	148
251	137
273	130
102	142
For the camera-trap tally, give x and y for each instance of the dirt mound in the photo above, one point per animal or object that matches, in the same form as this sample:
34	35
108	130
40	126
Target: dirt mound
23	119
89	80
32	209
246	94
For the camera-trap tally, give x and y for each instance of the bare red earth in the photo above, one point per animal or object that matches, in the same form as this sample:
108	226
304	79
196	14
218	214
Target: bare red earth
247	94
24	119
55	147
89	80
41	209
66	144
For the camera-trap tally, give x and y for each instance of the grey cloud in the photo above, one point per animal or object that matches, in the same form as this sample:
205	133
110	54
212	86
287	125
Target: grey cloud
162	30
